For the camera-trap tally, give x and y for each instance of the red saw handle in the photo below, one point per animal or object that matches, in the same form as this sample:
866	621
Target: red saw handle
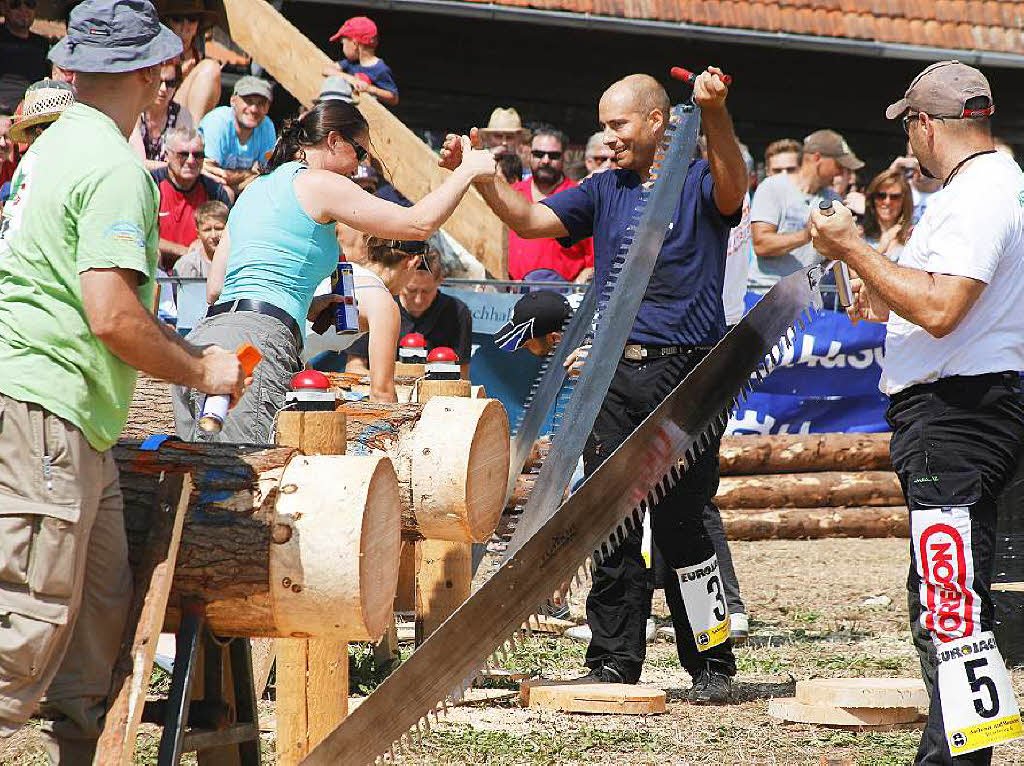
678	73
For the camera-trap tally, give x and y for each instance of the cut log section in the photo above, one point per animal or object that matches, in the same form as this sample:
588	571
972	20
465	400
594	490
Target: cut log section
451	456
810	490
863	692
792	710
815	523
275	543
802	453
602	699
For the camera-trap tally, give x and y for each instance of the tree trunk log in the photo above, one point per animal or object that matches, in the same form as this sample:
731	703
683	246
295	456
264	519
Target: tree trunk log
802	453
813	523
810	490
276	543
451	456
150	411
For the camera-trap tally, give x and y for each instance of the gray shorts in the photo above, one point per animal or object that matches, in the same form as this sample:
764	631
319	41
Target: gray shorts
251	421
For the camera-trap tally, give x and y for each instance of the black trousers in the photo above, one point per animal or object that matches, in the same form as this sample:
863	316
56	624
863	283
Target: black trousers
955	444
620	600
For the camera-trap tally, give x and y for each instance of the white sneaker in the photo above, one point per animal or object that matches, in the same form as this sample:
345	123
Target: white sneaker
651	631
739	627
581	633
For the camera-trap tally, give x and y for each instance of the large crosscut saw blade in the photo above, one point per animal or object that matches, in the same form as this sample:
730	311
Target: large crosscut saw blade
617	308
548	386
589	525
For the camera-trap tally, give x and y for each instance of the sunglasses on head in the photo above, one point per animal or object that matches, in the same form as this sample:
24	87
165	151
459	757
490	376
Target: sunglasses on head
409	246
539	154
184	155
895	196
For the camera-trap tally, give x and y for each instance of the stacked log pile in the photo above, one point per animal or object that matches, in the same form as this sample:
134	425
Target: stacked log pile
789	487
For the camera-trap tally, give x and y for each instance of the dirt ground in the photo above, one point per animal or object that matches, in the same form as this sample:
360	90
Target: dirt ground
808	618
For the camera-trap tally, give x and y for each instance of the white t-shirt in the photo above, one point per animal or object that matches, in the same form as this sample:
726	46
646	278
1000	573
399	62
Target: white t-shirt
972	228
737	266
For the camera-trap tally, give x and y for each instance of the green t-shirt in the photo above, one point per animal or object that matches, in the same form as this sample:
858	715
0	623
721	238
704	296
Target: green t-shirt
81	199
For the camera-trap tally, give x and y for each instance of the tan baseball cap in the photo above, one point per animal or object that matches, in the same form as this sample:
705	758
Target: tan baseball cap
828	143
943	90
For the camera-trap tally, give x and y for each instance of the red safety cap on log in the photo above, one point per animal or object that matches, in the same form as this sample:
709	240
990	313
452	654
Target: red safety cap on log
442	354
413	340
310	379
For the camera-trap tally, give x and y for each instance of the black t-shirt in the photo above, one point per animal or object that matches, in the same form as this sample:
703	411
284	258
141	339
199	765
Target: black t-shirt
24	62
447	322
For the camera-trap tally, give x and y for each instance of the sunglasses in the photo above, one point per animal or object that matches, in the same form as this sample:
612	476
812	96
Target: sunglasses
16	4
361	153
894	196
183	156
169	84
539	154
182	19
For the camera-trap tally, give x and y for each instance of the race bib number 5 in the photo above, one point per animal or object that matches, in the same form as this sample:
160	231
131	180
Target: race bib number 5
978	706
704	598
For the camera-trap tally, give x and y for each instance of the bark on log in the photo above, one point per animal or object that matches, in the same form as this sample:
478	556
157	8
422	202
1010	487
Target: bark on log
276	543
810	490
451	456
814	523
150	411
801	453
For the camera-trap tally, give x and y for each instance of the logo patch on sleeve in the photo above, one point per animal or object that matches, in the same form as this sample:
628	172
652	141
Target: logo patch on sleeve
127	232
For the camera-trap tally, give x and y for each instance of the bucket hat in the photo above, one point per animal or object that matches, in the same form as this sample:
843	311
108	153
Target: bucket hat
109	36
45	101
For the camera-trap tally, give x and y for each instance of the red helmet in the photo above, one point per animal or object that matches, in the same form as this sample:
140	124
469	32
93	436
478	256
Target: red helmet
413	340
442	354
310	379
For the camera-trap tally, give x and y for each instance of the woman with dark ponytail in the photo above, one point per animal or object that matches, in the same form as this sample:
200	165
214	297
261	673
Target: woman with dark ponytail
280	244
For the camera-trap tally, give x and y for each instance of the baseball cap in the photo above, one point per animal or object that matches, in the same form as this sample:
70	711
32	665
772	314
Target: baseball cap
254	86
110	36
359	28
828	143
943	90
336	88
535	315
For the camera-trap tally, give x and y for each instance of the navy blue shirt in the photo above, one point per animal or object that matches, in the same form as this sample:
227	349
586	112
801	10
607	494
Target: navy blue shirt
683	303
379	74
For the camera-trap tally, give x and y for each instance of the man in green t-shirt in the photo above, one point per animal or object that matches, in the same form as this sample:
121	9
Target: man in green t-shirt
78	251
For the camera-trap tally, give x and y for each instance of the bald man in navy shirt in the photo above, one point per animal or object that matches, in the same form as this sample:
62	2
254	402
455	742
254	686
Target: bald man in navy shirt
680	319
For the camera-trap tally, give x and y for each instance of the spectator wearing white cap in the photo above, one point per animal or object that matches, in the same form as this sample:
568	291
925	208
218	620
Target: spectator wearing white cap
240	136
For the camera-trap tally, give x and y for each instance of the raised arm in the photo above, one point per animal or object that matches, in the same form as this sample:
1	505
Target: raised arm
327	197
768	243
530	220
727	166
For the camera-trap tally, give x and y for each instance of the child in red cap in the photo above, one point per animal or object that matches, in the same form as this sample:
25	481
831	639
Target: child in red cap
359	63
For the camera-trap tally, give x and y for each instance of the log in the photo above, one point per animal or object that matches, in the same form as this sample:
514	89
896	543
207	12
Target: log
598	698
828	489
451	456
150	411
801	453
816	523
794	711
275	543
863	692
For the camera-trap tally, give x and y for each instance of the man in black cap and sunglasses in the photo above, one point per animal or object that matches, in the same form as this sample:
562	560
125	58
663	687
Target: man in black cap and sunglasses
442	319
22	52
954	343
78	255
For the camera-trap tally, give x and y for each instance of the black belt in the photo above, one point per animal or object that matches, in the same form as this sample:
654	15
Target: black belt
959	383
636	352
260	307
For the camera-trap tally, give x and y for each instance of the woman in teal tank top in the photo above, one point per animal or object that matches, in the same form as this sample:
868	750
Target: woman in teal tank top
280	244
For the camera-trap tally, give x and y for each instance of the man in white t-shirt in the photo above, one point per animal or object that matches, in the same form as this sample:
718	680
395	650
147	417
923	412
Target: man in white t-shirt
954	344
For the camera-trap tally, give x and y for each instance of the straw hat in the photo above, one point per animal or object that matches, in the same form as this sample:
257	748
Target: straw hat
505	121
45	101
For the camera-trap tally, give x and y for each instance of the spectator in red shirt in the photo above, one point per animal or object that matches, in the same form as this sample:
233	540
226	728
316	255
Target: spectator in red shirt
183	188
544	260
8	150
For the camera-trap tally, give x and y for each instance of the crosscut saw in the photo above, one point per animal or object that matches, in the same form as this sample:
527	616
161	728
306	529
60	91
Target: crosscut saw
584	529
617	306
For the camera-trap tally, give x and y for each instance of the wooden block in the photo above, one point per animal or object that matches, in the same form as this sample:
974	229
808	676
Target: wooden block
444	573
426	389
791	709
546	624
152	576
405	594
604	699
863	692
410	370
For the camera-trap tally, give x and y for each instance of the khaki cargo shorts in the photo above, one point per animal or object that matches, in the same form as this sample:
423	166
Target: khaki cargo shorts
61	535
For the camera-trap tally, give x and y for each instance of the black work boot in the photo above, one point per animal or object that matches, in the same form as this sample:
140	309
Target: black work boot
602	674
711	687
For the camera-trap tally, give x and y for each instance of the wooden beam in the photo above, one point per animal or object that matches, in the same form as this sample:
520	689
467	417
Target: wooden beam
297	63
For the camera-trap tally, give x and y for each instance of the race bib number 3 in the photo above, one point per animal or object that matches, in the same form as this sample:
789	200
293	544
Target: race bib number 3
704	598
978	706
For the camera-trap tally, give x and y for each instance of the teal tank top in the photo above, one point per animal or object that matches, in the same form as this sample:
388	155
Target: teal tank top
278	253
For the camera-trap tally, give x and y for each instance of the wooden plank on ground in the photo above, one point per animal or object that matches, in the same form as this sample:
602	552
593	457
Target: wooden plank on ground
792	710
152	576
297	63
603	699
863	692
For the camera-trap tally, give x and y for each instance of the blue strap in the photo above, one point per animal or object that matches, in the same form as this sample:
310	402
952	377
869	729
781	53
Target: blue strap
153	442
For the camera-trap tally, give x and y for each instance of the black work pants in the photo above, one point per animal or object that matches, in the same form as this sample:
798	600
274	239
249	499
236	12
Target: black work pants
620	600
955	444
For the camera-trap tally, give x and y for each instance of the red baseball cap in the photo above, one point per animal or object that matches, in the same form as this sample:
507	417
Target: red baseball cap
359	28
